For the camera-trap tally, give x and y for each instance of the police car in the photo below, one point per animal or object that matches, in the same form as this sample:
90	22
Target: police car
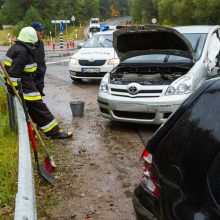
96	57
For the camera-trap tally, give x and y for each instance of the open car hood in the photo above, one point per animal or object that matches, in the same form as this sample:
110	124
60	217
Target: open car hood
150	39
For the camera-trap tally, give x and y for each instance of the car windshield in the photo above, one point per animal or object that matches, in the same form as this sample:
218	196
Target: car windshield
94	22
99	41
197	41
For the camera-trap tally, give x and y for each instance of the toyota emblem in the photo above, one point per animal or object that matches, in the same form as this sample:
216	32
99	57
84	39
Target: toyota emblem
132	89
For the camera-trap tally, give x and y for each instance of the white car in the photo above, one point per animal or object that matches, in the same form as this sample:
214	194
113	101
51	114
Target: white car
160	67
96	57
94	26
94	23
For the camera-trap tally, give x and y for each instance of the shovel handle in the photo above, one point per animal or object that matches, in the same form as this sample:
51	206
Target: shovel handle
31	135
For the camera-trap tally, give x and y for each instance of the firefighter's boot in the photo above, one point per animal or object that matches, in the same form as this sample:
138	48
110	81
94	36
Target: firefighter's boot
62	135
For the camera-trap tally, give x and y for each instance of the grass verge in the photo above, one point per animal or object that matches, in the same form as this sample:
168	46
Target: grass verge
8	161
4	36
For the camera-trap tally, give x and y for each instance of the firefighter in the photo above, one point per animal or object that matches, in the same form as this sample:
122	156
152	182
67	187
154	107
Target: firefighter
21	65
40	57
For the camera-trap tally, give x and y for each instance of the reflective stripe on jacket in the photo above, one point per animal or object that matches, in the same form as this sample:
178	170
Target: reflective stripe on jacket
30	68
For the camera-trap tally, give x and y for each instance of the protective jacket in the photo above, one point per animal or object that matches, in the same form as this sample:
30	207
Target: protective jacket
21	65
41	66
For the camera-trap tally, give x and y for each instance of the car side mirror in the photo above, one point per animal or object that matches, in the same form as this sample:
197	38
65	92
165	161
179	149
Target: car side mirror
80	45
215	71
212	69
210	65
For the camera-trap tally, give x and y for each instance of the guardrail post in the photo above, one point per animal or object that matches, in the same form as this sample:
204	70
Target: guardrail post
11	110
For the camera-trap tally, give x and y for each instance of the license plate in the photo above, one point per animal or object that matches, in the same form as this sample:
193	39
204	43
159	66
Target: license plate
131	107
90	70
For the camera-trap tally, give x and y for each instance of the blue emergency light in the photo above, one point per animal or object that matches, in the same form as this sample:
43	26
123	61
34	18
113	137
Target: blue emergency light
104	27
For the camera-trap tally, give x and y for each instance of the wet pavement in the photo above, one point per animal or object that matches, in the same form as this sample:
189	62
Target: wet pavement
102	165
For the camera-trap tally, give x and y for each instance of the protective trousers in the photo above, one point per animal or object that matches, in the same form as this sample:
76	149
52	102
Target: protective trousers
41	115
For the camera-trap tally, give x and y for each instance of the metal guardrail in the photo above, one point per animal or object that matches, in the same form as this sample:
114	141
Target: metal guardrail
25	207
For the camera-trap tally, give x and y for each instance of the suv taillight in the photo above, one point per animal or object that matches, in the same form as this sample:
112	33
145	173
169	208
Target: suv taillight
149	180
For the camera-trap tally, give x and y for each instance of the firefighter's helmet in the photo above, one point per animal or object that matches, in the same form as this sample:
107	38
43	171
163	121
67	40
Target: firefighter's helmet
28	35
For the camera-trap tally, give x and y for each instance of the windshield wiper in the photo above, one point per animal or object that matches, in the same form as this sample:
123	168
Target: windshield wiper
166	58
101	44
197	44
109	40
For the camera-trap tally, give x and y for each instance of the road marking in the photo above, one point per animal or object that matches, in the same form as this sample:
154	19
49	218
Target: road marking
60	61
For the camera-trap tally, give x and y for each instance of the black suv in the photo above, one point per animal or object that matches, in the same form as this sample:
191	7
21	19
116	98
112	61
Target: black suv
181	166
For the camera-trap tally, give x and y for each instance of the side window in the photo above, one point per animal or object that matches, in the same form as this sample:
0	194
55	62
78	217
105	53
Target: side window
214	178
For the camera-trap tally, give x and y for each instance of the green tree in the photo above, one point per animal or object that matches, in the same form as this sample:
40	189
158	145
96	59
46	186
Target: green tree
143	11
30	16
186	12
91	9
104	8
13	11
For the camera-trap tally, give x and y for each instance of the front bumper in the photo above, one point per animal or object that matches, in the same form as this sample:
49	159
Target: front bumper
76	71
139	110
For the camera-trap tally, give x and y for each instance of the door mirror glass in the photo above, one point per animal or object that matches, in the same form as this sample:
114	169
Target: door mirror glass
80	45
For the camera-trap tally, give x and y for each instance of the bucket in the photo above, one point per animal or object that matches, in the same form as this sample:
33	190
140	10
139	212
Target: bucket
77	108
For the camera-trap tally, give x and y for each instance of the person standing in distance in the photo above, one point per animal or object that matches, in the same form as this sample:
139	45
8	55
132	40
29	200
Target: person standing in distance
39	57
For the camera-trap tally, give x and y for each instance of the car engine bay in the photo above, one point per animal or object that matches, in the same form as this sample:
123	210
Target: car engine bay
146	75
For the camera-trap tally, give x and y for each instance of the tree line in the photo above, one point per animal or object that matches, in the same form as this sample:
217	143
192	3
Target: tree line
176	12
168	12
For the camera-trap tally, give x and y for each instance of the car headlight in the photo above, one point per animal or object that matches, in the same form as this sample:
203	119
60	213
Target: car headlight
104	84
73	61
114	61
180	86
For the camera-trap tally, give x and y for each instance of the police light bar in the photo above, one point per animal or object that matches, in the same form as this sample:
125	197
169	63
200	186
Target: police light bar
104	27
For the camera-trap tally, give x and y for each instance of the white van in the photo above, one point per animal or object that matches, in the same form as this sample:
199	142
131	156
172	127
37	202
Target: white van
94	23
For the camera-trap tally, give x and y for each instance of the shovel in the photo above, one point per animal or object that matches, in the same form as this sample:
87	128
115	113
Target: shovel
49	162
44	173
